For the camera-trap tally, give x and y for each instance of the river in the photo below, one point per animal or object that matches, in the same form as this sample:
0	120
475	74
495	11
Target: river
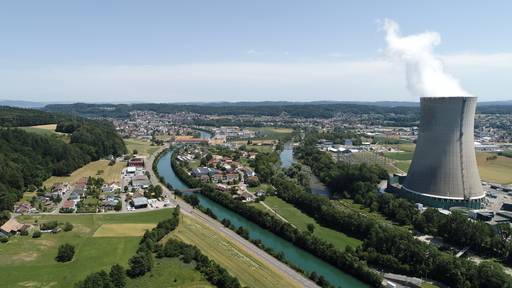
295	255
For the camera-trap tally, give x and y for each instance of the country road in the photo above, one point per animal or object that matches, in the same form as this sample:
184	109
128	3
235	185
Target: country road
266	258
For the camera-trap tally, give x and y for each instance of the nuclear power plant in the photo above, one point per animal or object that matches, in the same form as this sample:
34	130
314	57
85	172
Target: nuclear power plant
444	171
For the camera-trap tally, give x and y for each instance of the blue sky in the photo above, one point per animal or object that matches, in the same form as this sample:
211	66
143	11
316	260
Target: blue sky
180	51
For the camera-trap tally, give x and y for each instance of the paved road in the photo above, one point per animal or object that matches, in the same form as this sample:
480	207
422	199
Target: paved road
266	258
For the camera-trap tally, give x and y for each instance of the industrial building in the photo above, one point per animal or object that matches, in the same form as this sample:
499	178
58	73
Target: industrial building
444	170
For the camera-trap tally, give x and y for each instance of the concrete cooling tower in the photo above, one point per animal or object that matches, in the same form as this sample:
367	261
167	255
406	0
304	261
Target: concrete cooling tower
443	171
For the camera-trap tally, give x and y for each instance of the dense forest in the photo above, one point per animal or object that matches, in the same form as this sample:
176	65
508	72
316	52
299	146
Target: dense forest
397	114
15	117
29	158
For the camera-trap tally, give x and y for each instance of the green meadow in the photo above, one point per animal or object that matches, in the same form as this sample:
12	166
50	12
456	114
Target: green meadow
29	262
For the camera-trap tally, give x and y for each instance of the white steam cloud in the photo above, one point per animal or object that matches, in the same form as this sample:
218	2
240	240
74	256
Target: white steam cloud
425	72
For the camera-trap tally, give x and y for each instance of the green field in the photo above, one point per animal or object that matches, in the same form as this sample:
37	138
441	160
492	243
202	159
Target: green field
142	147
47	130
399	155
169	273
272	132
403	165
261	148
300	220
110	173
239	262
28	262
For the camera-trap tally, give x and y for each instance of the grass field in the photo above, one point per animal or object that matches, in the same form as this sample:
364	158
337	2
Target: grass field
497	171
261	148
272	132
121	230
170	273
142	147
300	220
110	173
48	130
28	262
240	263
403	165
399	155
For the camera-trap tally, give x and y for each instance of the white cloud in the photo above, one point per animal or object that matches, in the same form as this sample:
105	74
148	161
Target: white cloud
248	81
251	52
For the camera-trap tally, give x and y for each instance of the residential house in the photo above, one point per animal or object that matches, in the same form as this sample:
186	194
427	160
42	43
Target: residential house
12	226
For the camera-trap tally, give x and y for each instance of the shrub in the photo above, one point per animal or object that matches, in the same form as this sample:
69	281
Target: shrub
66	253
67	227
49	225
24	233
36	234
4	239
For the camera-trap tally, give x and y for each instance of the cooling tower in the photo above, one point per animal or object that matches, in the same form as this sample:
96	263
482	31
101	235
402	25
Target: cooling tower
443	171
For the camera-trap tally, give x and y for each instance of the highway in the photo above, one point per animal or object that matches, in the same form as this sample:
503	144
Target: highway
263	256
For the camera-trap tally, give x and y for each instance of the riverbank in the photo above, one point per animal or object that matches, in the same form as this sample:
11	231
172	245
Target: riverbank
305	260
165	170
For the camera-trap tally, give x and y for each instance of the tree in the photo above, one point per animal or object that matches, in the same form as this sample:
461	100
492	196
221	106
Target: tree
135	152
36	234
118	276
140	263
65	253
157	191
67	227
4	216
119	206
96	280
311	227
192	199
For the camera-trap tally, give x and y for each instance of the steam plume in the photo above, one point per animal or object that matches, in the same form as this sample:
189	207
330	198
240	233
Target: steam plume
425	71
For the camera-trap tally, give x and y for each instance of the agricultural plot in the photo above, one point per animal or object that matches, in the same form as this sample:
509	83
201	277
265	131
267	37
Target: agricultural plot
240	263
121	230
100	168
29	262
494	169
142	147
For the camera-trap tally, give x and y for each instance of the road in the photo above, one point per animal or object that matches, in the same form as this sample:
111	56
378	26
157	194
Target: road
263	256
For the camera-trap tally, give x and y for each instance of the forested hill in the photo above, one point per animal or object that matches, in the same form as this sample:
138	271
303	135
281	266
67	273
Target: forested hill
14	117
307	110
266	109
27	159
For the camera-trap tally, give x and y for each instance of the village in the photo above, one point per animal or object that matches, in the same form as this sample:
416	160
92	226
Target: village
228	168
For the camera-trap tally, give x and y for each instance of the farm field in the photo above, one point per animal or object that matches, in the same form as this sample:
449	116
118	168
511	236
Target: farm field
29	262
300	220
497	170
241	264
110	173
170	273
142	147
